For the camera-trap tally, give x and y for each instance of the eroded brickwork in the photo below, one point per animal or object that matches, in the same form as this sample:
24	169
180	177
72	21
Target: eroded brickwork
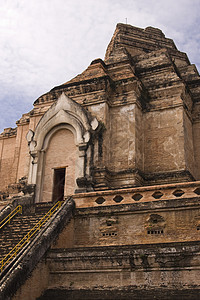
125	135
145	94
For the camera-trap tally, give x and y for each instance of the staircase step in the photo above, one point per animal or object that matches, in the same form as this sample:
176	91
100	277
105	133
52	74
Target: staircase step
43	207
19	226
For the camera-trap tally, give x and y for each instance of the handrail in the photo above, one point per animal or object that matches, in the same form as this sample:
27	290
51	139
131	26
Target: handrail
29	235
7	219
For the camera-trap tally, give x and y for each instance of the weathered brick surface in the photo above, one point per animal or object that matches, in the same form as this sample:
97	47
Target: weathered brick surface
128	223
155	268
127	132
146	95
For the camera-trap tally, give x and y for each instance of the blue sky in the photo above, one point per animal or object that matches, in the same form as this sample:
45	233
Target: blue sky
44	43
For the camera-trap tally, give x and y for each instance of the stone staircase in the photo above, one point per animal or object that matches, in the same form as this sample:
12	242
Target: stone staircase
15	275
11	234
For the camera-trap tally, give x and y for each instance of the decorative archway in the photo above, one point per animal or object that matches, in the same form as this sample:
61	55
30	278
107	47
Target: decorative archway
66	115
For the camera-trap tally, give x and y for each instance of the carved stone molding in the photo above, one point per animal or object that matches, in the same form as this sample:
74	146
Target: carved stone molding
64	114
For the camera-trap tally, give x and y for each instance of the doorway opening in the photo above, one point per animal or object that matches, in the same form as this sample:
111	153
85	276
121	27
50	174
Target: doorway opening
58	184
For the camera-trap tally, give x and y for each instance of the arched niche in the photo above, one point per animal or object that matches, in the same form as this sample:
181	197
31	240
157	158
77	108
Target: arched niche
64	116
59	165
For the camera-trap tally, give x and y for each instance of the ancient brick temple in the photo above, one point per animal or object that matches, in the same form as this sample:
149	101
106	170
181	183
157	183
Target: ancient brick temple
123	140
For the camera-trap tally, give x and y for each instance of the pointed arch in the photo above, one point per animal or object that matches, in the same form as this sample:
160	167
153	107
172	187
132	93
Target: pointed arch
64	114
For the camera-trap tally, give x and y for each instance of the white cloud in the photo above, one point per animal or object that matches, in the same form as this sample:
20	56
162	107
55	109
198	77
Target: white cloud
44	43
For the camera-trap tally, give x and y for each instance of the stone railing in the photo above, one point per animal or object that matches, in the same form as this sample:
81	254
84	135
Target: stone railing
138	194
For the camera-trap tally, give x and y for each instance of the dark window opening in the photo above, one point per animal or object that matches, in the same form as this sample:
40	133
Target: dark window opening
108	223
100	200
157	195
155	231
137	197
109	234
58	184
178	193
118	198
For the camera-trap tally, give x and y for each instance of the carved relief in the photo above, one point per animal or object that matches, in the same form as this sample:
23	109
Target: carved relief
155	224
109	228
